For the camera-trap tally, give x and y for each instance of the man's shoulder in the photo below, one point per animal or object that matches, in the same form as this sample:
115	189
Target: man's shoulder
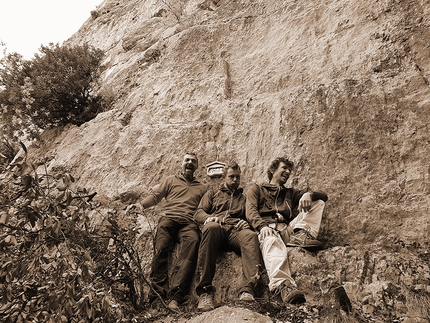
197	182
199	185
170	178
254	188
222	189
255	185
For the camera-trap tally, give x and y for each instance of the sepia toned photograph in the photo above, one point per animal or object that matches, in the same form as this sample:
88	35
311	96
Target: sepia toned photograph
207	161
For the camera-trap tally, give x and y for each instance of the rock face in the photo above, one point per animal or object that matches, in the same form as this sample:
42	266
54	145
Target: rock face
341	87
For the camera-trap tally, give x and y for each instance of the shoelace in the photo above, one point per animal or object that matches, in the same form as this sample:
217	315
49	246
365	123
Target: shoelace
279	288
206	299
306	231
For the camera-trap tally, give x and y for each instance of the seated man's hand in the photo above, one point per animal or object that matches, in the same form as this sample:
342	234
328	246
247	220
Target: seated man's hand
305	202
242	224
266	232
211	219
280	217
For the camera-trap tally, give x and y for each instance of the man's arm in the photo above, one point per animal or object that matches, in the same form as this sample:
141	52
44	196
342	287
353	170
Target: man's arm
305	202
205	208
251	206
158	193
315	196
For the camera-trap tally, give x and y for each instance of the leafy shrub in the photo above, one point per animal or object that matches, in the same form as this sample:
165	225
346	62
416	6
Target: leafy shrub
56	87
56	264
7	153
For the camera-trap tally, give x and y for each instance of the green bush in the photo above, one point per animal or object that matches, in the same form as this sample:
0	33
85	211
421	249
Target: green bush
56	87
57	264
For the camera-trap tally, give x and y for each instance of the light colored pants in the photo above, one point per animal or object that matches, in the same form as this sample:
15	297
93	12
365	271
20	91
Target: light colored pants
274	250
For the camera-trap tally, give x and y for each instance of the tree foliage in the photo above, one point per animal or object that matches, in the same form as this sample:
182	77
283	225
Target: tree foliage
56	263
8	151
56	87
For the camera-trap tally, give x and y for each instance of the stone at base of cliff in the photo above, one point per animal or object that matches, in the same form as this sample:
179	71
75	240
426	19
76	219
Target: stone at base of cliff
227	314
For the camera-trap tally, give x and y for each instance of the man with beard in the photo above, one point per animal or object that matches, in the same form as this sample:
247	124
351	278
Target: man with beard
182	194
271	211
222	214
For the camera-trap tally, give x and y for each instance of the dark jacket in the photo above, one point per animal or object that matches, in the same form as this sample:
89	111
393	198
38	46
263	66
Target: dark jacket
228	206
265	200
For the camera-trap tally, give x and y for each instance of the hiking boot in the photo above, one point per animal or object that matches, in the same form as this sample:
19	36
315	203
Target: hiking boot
205	303
290	294
303	239
174	305
247	297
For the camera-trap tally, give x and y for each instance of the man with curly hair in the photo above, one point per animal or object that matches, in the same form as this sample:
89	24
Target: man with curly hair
272	210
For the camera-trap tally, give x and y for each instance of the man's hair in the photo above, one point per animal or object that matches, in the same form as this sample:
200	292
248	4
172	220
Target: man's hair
233	166
275	164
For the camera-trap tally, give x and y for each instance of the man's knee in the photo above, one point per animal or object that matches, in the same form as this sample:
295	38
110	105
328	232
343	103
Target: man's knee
247	235
165	229
318	204
162	246
189	236
211	228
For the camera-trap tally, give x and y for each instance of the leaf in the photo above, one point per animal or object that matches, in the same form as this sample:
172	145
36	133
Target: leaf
36	177
85	272
23	147
72	179
57	228
17	161
32	218
9	295
60	197
87	256
4	217
89	311
26	169
69	197
70	292
106	303
6	263
68	179
26	181
10	239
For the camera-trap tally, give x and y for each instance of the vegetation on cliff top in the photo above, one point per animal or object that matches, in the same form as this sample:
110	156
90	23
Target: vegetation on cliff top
56	87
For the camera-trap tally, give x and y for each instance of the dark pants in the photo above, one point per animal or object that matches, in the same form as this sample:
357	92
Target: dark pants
187	235
216	238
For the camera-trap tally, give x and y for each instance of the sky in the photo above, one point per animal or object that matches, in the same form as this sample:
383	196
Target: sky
27	24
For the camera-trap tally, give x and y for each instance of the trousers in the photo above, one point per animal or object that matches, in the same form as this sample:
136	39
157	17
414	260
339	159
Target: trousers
274	250
186	234
216	238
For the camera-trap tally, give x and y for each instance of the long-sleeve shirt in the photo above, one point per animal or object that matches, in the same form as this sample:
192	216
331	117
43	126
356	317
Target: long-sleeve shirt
265	200
182	197
227	206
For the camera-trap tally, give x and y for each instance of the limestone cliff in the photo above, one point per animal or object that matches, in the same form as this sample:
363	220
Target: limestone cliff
341	87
